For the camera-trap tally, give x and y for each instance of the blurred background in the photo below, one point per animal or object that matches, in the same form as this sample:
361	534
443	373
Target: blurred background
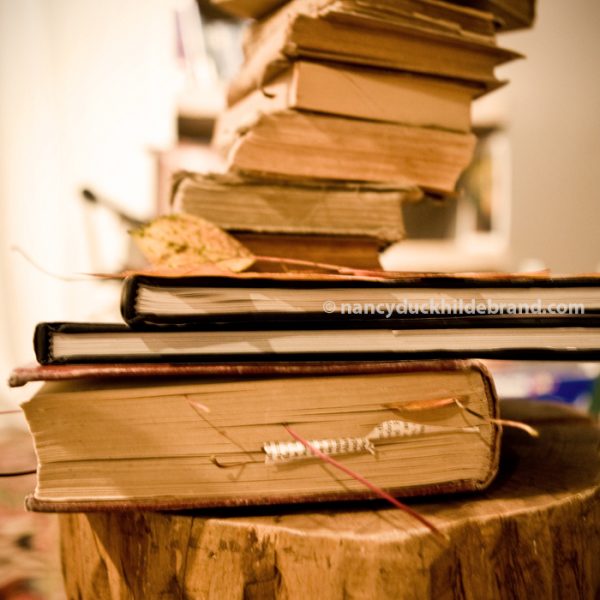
112	97
101	101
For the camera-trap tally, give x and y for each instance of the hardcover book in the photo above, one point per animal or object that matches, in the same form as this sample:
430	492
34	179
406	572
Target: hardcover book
568	338
300	145
309	207
451	41
351	91
150	300
410	428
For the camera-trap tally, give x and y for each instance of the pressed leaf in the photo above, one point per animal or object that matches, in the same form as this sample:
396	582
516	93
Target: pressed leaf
185	242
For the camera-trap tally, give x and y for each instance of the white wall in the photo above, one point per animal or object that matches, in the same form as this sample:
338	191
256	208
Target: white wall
87	88
553	113
550	110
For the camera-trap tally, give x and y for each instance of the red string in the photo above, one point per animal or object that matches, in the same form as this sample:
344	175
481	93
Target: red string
374	488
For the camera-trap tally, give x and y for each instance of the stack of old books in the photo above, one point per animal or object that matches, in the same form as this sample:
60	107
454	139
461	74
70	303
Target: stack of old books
365	91
199	398
341	111
216	390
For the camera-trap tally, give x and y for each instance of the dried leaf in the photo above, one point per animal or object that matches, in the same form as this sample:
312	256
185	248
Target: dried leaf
417	405
436	403
186	242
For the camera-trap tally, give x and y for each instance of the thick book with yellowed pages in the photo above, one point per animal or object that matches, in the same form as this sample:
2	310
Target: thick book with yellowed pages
352	91
216	441
299	145
456	43
326	208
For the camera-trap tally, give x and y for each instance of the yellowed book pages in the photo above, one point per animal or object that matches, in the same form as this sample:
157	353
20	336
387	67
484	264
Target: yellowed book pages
295	144
211	441
267	206
371	94
341	32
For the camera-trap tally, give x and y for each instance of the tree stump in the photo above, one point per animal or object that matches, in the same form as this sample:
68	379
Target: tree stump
534	534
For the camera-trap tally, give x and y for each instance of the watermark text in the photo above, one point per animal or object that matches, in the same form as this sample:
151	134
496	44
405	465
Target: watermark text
460	306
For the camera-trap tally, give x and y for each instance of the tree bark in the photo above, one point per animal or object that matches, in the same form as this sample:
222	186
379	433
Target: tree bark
534	534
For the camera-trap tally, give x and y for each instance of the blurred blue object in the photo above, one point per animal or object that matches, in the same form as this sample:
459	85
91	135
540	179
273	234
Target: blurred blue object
569	383
571	391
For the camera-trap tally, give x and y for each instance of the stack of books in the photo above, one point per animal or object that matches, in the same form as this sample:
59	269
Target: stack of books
342	111
217	390
367	91
316	317
192	402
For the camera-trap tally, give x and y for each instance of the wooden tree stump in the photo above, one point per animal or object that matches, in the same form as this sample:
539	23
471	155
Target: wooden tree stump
534	534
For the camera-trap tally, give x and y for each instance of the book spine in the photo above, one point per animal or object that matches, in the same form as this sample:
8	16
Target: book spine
42	343
494	413
128	297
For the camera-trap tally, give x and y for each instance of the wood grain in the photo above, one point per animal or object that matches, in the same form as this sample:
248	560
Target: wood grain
534	534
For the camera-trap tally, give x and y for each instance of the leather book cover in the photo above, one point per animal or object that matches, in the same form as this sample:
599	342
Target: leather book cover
36	372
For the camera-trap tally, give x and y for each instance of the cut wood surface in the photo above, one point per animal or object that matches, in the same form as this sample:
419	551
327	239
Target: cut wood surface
534	534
